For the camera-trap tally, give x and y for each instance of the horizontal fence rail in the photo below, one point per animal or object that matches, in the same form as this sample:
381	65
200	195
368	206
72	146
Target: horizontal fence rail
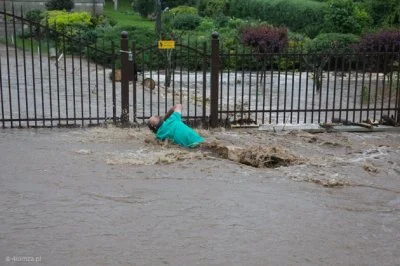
48	79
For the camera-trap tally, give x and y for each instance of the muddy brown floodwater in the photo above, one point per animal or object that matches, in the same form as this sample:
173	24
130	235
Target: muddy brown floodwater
108	196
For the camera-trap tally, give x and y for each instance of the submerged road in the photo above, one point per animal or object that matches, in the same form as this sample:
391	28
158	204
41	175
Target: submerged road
63	202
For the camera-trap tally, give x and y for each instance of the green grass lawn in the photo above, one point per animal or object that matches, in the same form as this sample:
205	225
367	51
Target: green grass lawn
125	16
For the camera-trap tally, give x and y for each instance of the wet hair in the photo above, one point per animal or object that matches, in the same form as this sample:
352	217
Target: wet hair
155	128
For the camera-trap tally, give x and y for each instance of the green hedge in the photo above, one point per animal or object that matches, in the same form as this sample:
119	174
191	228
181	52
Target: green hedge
305	16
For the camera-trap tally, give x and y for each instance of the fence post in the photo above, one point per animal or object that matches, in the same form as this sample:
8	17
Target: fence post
125	72
214	79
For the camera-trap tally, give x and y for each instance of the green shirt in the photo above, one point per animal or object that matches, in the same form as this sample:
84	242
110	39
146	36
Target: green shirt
174	129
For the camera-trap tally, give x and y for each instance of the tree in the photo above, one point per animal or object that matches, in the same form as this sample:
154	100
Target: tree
344	16
143	7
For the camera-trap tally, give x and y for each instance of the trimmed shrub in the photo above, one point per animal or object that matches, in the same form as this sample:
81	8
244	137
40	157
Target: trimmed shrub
332	43
70	23
186	22
179	10
60	5
265	38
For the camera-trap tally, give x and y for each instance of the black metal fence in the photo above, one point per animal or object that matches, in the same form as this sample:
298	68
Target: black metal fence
52	80
47	78
298	87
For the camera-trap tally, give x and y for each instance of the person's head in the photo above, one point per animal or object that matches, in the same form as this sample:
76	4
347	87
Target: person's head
154	123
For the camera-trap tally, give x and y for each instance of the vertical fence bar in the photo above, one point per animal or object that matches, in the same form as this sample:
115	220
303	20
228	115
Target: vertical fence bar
285	87
104	89
214	79
334	87
292	56
114	96
279	89
49	74
355	90
377	85
97	86
134	92
16	66
41	81
348	90
1	96
390	82
362	88
65	78
263	79
188	78
25	72
124	78
81	80
221	93
299	92
204	101
397	108
250	85
341	89
8	69
327	88
33	77
235	81
58	80
72	44
306	93
271	59
384	82
89	89
243	58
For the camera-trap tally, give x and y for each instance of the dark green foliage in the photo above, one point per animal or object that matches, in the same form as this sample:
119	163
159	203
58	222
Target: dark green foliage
34	16
343	16
174	3
186	22
300	16
108	35
213	8
144	7
385	12
60	5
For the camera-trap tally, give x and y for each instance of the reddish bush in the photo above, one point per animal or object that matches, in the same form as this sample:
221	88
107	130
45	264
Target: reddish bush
383	41
380	50
266	39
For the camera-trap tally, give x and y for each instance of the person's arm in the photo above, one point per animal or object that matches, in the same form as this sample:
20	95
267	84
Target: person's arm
175	108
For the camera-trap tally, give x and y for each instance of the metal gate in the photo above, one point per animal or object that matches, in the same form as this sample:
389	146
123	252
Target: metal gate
165	77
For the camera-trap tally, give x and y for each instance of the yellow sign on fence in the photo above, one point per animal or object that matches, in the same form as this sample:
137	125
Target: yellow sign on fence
166	44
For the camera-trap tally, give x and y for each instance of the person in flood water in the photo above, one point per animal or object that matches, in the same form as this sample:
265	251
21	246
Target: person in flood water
171	127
